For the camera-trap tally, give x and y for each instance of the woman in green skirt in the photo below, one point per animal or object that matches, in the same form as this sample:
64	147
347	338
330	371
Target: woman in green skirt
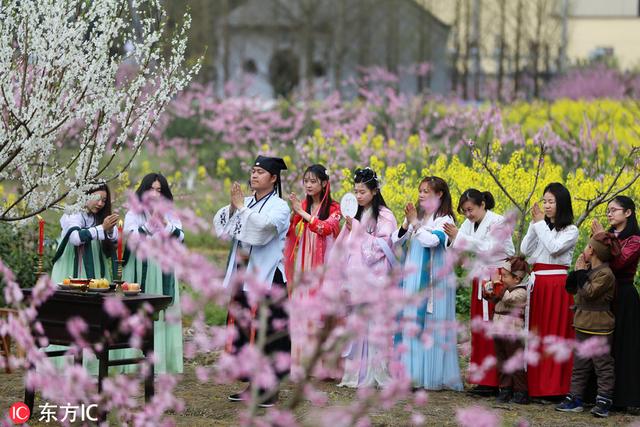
86	246
152	280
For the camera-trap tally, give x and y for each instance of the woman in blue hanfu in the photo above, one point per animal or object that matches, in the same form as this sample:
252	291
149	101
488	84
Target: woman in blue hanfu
429	350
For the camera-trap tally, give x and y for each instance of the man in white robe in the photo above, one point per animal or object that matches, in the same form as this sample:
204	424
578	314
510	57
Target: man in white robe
257	226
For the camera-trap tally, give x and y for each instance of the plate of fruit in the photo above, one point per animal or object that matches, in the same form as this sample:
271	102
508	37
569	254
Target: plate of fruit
131	289
66	285
99	285
75	284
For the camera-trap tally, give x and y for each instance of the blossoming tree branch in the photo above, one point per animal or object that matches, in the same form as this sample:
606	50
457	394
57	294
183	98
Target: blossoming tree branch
62	87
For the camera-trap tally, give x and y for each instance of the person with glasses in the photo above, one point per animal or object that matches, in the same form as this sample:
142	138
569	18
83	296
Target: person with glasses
621	214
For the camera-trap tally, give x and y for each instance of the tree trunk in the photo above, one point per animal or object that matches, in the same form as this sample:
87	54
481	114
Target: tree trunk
467	50
501	47
392	36
519	30
455	72
536	49
476	48
363	35
339	45
225	41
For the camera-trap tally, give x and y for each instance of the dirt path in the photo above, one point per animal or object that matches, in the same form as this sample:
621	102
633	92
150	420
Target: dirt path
207	405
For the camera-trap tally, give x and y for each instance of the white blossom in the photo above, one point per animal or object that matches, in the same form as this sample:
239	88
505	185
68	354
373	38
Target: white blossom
65	112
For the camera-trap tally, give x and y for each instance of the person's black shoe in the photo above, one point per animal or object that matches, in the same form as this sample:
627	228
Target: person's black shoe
521	398
240	397
270	398
484	390
504	396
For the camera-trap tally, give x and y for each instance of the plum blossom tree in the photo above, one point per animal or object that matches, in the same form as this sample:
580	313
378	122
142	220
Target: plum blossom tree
60	85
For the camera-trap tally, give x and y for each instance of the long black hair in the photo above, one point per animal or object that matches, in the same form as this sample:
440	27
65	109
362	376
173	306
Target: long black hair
477	197
107	246
320	172
147	182
632	228
369	178
438	185
564	209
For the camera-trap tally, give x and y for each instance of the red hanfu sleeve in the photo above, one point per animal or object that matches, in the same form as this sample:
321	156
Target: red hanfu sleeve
329	226
629	255
290	247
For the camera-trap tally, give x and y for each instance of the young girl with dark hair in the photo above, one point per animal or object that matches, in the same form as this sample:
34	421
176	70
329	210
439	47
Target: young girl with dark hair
152	280
623	222
85	250
156	182
482	234
91	234
366	360
424	241
314	227
549	245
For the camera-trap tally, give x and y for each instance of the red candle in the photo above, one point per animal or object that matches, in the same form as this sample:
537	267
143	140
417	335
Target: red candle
120	236
40	235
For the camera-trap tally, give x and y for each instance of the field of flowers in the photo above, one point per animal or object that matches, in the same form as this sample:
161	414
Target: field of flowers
512	150
202	144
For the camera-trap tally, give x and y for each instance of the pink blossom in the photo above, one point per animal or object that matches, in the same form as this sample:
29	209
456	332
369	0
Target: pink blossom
477	416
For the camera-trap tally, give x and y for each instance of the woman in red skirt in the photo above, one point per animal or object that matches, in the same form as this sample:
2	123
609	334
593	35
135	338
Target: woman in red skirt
482	235
548	245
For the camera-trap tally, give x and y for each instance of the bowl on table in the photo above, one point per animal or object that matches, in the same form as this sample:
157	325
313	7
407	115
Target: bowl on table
131	289
79	282
132	293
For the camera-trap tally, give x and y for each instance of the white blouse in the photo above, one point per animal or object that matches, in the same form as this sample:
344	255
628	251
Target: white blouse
133	222
484	240
87	221
542	245
423	232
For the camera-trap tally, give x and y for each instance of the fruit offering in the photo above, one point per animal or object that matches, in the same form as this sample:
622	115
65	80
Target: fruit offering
98	284
131	287
66	281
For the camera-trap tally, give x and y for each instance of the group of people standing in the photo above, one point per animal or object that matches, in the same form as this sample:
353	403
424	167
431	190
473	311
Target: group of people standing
526	292
274	247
